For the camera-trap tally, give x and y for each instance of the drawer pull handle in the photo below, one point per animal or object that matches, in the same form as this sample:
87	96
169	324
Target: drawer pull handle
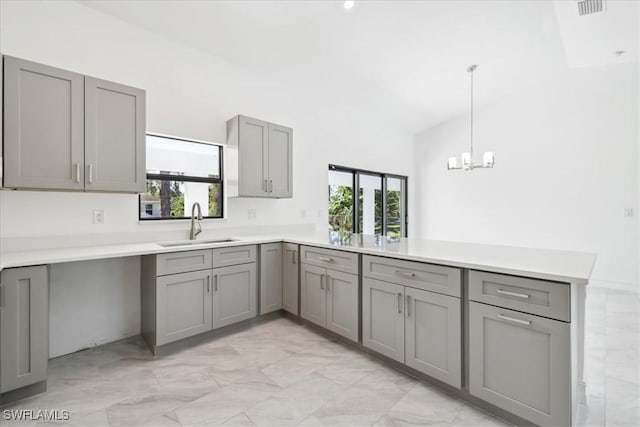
511	319
513	294
405	273
399	303
321	258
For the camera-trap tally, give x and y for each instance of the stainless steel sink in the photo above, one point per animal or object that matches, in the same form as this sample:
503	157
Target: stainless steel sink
195	242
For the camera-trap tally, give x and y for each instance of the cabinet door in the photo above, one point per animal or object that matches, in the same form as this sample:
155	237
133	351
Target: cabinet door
270	277
114	137
521	363
234	294
290	278
383	318
342	304
280	161
43	126
433	335
313	298
253	137
183	305
24	327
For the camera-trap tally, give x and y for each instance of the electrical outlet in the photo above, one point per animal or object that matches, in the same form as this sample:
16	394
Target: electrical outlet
98	216
628	212
251	214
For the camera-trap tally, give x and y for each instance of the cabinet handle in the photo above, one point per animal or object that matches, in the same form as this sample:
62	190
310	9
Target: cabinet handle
265	188
513	294
511	319
208	284
294	256
90	173
215	282
408	305
321	258
78	173
405	273
399	303
322	282
270	186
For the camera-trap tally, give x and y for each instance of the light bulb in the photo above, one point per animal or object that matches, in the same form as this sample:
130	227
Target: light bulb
466	160
452	163
488	160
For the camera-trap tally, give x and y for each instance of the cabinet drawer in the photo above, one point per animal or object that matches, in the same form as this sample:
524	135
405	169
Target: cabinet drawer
521	363
234	255
329	258
548	299
181	262
429	277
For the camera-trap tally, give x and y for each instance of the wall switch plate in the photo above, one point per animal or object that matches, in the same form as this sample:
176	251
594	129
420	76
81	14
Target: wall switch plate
98	216
251	214
628	212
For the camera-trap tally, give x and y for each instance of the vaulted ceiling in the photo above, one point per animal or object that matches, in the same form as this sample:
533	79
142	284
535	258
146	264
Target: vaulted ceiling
409	56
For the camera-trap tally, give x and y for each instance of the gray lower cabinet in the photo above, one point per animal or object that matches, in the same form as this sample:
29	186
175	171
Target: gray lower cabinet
183	305
521	363
182	295
270	277
290	281
329	298
419	328
67	131
234	294
24	327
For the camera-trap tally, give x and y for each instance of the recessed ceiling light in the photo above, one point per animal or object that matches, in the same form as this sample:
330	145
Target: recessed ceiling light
619	52
348	4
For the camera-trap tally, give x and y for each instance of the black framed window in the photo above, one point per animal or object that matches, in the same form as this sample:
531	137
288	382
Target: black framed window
181	172
367	202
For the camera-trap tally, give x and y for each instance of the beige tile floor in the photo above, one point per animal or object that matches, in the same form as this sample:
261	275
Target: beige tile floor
282	374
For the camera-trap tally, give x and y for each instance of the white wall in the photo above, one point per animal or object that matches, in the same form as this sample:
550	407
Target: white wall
566	167
189	94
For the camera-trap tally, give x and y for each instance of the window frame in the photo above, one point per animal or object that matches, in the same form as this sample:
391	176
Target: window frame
187	178
404	209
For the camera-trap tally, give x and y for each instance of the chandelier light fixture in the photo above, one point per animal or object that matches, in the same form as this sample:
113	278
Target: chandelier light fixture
467	157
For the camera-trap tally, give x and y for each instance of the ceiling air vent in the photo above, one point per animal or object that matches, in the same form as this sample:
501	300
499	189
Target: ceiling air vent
587	7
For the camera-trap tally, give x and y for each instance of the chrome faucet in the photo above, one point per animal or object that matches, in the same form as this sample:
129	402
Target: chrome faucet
195	226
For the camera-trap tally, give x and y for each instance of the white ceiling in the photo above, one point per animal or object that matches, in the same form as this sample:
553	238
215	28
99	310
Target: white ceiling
405	58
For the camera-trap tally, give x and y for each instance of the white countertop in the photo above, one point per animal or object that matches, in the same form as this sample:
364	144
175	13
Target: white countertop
563	266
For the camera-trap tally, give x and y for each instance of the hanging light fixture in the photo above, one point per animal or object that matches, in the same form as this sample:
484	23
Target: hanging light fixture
467	157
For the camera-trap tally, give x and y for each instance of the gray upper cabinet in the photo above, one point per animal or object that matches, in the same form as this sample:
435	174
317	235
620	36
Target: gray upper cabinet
43	126
290	281
259	159
270	277
521	363
66	131
114	137
24	327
